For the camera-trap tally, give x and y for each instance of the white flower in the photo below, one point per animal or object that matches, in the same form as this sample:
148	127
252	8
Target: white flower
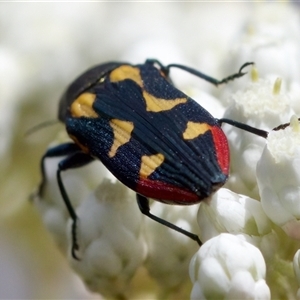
228	212
226	267
278	178
110	239
232	213
262	105
270	39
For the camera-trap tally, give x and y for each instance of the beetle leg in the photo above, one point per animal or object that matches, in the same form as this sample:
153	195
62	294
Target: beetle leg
75	159
60	150
216	82
245	127
144	207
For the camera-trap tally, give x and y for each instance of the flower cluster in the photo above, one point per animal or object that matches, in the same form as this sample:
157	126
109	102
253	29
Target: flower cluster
249	228
241	234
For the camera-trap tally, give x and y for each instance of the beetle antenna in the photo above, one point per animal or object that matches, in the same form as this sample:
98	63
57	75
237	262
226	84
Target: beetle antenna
40	126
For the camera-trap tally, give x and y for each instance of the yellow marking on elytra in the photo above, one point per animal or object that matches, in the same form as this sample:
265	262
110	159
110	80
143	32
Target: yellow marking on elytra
83	106
150	164
154	104
122	134
126	72
194	130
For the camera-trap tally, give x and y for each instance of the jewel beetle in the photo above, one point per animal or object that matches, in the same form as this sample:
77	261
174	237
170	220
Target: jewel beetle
151	136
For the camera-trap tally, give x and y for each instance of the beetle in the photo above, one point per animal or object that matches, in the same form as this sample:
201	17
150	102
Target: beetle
152	137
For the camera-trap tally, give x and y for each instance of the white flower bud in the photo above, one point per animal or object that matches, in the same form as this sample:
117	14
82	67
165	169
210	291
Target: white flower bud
228	212
278	176
226	267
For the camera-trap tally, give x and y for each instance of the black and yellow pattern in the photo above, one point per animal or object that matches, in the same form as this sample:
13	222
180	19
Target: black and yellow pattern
150	135
141	127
